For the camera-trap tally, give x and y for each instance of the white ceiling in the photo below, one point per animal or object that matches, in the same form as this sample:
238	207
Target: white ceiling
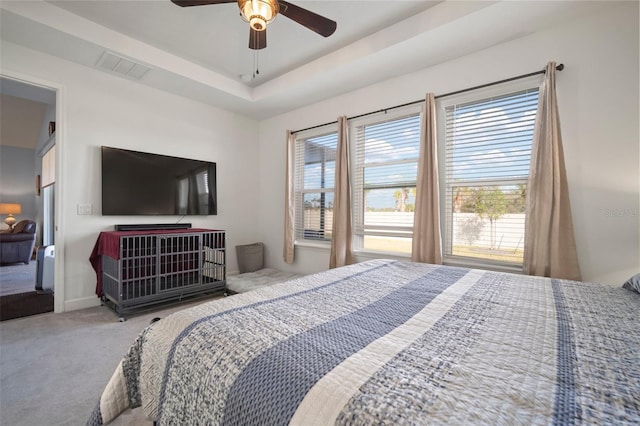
202	52
215	36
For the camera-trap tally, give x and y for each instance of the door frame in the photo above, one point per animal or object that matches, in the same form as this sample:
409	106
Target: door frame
59	229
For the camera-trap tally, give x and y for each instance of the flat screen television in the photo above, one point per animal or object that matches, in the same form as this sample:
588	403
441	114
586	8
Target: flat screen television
141	183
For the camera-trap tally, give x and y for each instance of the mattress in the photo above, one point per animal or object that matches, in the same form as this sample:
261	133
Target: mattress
388	342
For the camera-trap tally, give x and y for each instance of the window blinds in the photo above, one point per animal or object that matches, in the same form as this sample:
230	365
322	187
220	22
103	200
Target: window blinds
315	160
386	156
488	151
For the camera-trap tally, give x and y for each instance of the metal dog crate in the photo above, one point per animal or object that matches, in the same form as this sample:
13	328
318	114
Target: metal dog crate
154	268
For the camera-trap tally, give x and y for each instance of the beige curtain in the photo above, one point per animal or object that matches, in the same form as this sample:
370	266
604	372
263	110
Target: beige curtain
550	248
427	243
341	245
289	238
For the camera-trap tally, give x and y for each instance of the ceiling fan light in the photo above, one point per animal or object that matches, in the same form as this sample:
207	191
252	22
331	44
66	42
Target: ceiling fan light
257	23
258	13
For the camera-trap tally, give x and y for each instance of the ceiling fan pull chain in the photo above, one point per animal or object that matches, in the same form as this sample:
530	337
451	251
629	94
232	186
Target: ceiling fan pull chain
255	63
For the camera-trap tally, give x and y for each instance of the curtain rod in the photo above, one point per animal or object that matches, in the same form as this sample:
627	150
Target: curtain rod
559	67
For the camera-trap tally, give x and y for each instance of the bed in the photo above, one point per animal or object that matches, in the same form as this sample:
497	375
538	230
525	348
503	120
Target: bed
248	281
390	342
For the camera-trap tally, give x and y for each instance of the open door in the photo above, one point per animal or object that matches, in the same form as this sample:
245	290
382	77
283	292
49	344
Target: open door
31	110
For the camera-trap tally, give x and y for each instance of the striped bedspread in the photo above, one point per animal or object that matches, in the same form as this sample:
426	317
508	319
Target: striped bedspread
387	342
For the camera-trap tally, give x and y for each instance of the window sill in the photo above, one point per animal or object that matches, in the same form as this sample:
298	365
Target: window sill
358	253
312	245
449	261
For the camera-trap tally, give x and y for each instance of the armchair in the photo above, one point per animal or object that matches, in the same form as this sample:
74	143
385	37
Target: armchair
17	245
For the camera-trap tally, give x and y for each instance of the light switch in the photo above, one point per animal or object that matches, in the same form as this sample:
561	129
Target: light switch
85	209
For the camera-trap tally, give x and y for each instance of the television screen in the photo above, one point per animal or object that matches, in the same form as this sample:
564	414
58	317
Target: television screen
140	183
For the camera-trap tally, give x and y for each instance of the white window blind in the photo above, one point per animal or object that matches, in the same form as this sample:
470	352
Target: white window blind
315	169
488	151
386	166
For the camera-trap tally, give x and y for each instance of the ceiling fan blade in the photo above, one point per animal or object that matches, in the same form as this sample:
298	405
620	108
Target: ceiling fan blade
317	23
257	39
187	3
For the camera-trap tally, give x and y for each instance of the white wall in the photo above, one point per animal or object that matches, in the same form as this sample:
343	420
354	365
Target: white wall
598	100
101	109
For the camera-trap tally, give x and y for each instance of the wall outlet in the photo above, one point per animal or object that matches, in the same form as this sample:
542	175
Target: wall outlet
85	209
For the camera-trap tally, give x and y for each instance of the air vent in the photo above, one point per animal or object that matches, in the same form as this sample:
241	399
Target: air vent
121	65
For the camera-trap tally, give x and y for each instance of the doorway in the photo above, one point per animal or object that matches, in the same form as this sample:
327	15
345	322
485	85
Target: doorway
28	118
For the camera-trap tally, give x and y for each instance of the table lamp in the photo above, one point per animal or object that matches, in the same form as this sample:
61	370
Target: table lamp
10	210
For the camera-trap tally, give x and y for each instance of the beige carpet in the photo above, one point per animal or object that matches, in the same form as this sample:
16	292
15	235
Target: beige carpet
53	367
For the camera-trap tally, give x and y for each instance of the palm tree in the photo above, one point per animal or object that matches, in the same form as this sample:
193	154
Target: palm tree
401	196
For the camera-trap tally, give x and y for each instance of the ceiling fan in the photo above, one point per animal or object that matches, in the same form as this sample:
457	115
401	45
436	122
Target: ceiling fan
258	13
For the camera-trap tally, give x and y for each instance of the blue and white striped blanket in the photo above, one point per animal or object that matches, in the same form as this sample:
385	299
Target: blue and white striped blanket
387	342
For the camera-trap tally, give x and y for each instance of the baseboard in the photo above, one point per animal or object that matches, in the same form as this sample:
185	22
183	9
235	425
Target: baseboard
83	303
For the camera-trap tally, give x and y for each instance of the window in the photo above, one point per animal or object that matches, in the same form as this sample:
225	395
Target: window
487	157
384	180
314	183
